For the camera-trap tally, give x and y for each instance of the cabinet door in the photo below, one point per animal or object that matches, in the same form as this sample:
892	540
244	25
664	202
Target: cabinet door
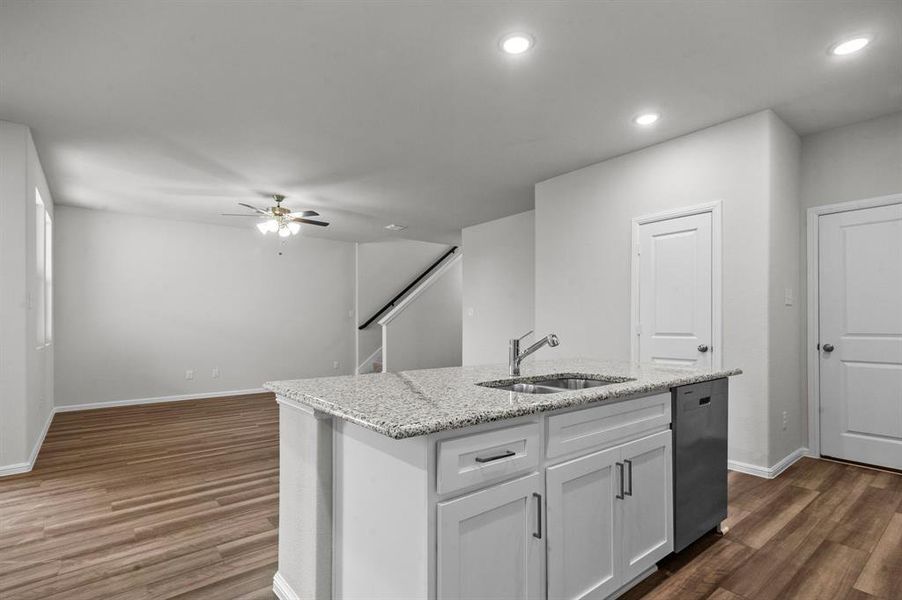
584	527
491	544
647	507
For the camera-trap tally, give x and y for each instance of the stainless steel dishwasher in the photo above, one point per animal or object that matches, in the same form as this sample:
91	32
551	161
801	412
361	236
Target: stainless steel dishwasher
699	460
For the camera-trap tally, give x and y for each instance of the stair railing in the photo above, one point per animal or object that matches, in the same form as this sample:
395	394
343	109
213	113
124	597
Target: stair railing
391	303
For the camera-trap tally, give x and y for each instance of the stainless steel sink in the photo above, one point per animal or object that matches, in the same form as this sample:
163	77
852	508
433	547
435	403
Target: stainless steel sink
528	388
574	383
551	385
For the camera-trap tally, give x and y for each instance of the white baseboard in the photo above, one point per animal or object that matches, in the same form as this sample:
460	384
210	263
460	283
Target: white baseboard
635	581
25	467
281	588
15	469
768	472
157	399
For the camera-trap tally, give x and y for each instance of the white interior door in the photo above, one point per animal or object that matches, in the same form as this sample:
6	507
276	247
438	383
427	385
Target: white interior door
490	543
860	330
584	527
675	291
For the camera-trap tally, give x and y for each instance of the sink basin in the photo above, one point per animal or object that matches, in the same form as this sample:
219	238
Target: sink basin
551	385
528	388
574	383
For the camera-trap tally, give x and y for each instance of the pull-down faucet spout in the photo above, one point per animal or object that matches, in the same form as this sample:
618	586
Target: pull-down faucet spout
516	357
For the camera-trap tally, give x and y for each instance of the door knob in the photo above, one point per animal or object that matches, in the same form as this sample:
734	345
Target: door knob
702	348
828	347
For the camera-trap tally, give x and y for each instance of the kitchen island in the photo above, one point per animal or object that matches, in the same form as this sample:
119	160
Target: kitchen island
465	482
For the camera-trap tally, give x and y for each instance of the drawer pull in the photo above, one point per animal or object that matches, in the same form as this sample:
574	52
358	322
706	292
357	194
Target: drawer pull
704	401
485	459
619	494
628	463
538	532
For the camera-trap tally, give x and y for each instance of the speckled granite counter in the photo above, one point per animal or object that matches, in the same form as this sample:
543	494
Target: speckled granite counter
412	403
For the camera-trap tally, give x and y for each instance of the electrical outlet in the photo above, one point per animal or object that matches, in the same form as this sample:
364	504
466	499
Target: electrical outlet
216	372
335	364
788	299
189	374
471	311
785	420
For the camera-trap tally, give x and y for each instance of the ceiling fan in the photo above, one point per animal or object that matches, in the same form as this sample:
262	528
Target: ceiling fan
278	219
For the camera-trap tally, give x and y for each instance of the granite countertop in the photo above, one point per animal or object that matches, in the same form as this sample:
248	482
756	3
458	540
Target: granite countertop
412	403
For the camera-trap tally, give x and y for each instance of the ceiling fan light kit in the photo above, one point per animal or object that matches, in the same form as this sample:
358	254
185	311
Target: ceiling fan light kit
268	226
279	219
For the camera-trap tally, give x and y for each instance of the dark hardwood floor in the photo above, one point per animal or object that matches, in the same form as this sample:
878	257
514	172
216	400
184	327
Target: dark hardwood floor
180	500
176	500
821	530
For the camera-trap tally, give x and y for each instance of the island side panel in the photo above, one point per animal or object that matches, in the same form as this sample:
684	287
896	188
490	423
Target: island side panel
305	503
381	506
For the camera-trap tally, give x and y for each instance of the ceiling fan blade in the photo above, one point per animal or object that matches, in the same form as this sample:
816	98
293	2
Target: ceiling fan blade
311	222
237	215
305	213
254	208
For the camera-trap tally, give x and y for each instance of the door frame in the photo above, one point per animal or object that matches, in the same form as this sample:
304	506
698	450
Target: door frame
716	210
813	283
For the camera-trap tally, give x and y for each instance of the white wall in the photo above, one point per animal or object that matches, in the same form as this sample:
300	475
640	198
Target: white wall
854	162
384	269
26	382
583	251
142	300
426	334
862	160
785	373
498	286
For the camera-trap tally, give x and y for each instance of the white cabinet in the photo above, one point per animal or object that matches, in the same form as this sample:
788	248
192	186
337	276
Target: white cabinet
481	459
647	505
575	505
491	544
584	529
609	518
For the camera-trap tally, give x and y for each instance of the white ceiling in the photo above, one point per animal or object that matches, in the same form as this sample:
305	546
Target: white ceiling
398	112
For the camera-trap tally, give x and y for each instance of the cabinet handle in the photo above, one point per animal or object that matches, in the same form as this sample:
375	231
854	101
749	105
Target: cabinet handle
619	495
538	533
629	463
485	459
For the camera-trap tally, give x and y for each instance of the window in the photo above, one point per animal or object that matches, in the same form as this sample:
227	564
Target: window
48	278
43	252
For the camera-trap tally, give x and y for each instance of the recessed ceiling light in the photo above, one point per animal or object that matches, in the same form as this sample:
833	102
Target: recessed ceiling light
647	119
849	46
393	227
517	43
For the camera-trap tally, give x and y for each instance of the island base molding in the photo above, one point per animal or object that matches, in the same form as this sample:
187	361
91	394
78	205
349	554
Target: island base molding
305	503
282	590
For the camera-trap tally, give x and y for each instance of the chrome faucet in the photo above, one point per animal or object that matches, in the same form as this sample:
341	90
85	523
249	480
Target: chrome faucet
516	357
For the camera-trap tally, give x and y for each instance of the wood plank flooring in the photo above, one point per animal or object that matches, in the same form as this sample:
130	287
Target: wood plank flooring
821	530
176	500
180	500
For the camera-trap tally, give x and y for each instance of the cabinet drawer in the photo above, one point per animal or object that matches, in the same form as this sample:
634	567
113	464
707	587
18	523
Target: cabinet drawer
607	424
483	458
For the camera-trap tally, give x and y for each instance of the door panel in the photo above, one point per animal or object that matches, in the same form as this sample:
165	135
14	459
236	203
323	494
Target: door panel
486	546
583	527
675	291
647	507
860	302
